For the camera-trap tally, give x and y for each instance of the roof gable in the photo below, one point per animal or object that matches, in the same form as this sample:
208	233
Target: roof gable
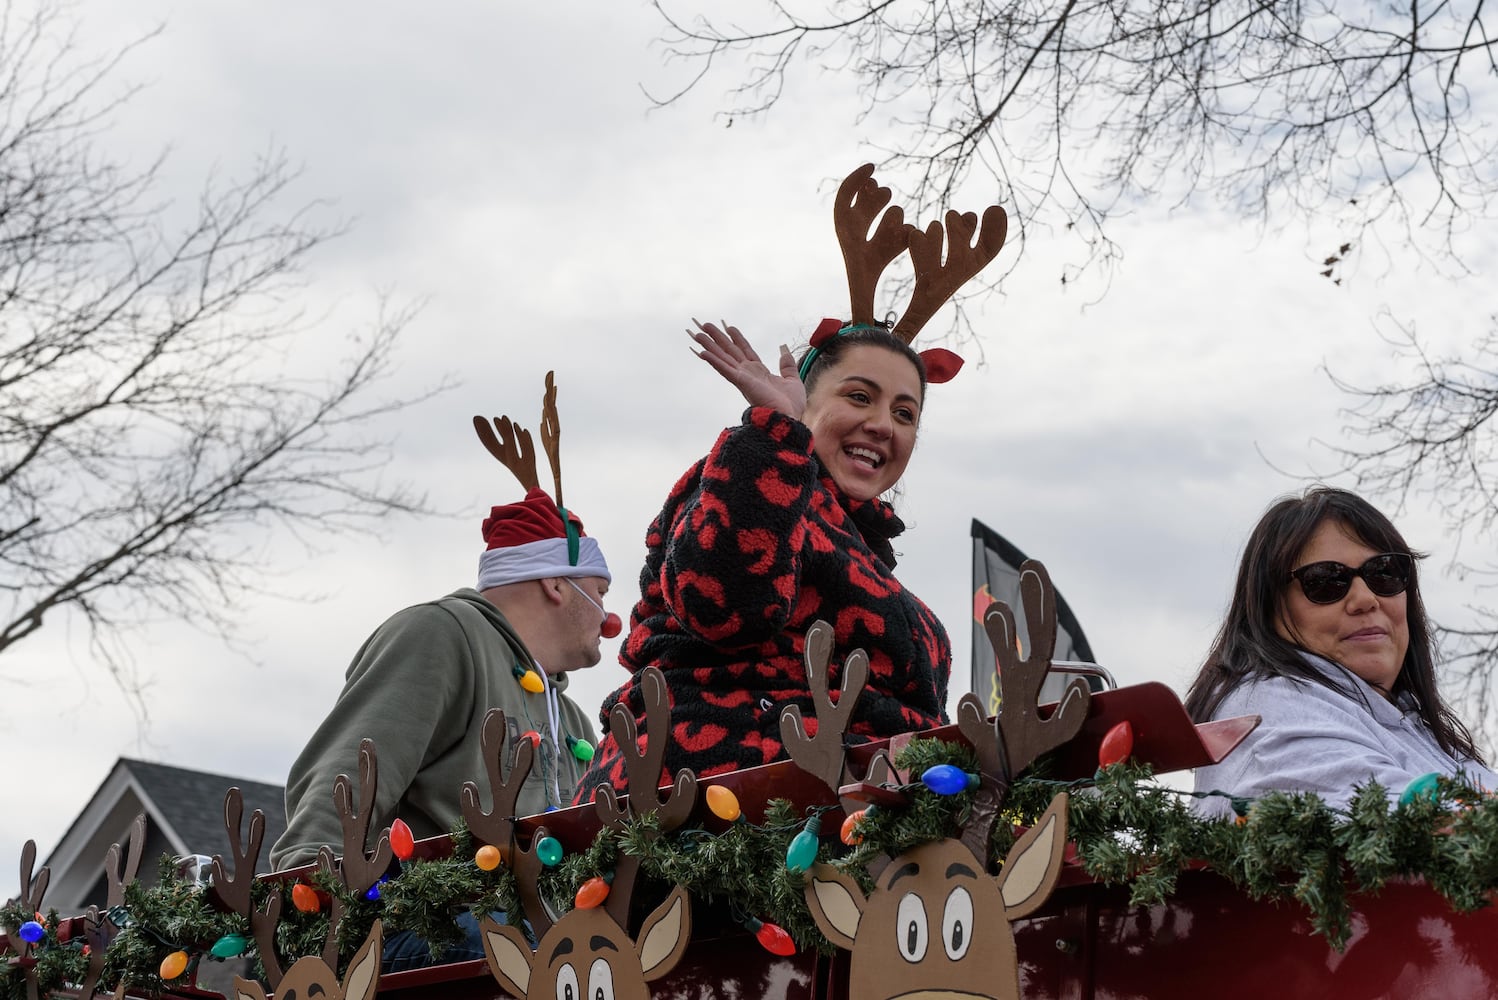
184	815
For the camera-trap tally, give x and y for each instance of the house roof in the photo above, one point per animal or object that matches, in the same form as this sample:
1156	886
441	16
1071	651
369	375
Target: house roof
191	805
184	812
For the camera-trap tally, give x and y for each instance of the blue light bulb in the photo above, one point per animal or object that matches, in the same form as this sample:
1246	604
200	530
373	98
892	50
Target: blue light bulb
948	779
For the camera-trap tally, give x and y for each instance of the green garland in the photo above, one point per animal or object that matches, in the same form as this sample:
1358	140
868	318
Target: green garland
1128	830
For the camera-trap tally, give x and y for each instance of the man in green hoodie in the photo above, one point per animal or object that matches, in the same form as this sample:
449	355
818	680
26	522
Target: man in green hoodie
421	685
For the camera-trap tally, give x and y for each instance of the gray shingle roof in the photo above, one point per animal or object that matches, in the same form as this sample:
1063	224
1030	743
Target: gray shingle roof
192	803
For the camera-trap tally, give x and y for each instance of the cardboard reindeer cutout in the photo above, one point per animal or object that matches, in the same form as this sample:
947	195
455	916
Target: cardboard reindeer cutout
33	888
312	977
937	923
589	951
100	930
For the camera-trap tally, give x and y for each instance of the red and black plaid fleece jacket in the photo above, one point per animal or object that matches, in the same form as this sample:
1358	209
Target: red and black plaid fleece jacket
754	544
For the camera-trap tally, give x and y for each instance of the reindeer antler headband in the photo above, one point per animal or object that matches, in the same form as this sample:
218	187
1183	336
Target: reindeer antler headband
860	200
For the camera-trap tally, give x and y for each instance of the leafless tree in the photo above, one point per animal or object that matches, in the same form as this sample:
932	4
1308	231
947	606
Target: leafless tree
1355	112
1434	437
157	393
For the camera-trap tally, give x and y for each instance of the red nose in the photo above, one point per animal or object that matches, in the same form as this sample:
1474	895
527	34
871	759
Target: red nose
611	626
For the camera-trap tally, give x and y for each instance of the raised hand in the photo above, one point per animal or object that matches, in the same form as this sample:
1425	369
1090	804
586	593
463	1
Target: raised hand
732	357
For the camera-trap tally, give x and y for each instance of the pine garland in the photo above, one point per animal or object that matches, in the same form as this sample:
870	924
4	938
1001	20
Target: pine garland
1128	830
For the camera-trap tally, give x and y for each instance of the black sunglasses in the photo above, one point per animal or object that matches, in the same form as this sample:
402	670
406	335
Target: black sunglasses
1386	574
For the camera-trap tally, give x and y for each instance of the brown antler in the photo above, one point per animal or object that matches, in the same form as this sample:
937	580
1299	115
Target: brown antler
117	876
527	866
32	889
99	931
644	770
497	826
233	887
263	924
823	755
859	201
1018	734
513	447
30	901
359	868
935	282
551	433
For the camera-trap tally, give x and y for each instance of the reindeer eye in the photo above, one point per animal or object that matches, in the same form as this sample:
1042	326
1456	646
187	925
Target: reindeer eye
567	983
957	923
910	928
601	980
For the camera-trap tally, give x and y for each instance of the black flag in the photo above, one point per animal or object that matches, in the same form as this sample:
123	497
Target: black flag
996	564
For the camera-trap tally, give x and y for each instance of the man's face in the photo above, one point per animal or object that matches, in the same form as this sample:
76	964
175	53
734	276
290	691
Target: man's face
583	612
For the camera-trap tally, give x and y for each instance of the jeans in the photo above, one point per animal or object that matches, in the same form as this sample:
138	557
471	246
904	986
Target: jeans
405	951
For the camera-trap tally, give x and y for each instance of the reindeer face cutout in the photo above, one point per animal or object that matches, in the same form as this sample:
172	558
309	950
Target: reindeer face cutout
587	955
311	978
936	924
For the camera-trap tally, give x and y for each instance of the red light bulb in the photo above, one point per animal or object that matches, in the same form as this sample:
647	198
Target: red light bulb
775	940
402	843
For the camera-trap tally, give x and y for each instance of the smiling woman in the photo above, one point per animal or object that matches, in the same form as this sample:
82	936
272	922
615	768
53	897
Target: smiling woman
779	526
782	525
1326	639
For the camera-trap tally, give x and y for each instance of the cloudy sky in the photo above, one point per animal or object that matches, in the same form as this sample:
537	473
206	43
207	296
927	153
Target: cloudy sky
501	164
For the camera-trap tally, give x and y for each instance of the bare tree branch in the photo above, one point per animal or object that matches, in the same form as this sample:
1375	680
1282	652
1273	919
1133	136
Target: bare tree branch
154	405
1433	437
1356	113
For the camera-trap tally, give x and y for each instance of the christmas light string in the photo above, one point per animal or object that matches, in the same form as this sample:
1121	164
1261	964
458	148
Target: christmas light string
1126	828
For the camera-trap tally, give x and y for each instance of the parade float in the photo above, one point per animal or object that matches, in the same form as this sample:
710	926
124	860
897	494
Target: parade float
1028	854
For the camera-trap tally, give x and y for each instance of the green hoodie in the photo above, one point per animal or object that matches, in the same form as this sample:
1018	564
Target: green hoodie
420	687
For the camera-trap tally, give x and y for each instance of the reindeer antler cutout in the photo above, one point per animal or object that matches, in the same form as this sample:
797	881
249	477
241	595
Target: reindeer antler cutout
32	888
1018	734
30	901
516	450
233	887
644	770
528	866
359	868
824	755
497	826
99	931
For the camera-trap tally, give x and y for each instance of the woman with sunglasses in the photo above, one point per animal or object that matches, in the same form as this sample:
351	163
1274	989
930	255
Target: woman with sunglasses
1326	639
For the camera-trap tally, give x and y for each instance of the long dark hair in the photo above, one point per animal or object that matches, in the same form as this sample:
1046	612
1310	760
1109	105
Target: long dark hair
1249	647
831	352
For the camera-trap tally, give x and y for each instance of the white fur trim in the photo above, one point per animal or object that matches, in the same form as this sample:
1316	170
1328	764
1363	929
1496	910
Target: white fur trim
539	560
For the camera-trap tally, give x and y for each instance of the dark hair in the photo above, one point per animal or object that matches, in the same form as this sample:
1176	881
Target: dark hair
830	353
1249	647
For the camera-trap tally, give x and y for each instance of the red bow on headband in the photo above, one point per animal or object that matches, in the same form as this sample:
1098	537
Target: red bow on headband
941	364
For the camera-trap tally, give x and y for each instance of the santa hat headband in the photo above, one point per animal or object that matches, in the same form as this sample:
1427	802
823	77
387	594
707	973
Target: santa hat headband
535	538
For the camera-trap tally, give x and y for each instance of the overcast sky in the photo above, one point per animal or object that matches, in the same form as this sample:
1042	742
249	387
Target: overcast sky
500	163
